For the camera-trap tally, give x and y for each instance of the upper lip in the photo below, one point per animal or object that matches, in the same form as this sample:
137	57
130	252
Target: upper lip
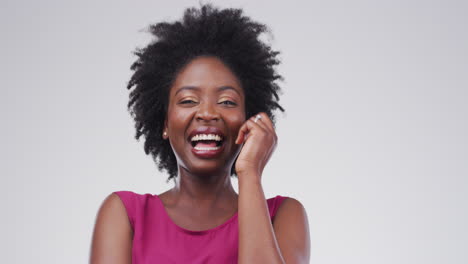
206	130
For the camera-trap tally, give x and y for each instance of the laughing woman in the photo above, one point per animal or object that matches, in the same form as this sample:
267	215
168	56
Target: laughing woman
203	95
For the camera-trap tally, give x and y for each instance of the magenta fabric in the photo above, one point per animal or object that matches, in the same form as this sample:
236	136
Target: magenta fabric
157	239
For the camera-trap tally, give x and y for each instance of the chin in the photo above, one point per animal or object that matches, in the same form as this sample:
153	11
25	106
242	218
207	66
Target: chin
206	169
218	165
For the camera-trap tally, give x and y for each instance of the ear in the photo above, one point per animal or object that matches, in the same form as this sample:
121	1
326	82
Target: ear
165	134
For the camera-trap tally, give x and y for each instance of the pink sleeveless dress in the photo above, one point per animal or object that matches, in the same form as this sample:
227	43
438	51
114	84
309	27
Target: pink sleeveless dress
157	239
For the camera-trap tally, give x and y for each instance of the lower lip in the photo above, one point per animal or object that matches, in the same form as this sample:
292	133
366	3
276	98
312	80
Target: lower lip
206	154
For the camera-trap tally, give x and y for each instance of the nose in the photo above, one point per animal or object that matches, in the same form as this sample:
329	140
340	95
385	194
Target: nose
207	112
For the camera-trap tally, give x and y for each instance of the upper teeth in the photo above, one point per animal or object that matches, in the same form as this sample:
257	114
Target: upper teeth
206	137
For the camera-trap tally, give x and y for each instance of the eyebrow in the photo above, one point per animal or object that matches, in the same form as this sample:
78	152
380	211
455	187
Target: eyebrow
224	88
220	89
187	88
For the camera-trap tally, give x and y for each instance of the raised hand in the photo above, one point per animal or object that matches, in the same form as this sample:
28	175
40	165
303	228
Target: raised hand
259	138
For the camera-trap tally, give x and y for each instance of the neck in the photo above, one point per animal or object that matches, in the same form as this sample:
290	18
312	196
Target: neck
203	189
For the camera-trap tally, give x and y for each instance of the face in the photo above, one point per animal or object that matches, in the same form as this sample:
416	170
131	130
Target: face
206	109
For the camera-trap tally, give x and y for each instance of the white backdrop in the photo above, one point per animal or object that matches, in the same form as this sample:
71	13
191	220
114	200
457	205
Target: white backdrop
374	142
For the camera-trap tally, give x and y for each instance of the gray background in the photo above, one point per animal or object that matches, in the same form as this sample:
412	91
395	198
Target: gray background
374	142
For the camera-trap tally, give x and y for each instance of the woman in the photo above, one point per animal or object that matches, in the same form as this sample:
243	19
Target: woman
204	95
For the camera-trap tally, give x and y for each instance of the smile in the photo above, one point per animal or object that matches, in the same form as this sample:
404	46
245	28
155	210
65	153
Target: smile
207	142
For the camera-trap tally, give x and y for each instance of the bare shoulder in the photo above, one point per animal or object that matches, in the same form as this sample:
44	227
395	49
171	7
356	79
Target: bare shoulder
292	231
290	211
291	205
112	236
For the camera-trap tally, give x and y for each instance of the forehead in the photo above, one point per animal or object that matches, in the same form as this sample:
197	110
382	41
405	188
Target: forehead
206	73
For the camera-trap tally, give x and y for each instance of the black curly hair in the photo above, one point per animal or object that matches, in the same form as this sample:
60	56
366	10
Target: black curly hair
226	34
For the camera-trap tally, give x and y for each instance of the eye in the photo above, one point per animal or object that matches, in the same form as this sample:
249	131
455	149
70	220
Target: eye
228	103
187	101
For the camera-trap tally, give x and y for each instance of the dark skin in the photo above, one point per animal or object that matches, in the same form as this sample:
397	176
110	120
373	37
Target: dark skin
207	93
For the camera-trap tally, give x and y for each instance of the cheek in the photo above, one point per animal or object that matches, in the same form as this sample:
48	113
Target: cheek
177	119
236	121
177	122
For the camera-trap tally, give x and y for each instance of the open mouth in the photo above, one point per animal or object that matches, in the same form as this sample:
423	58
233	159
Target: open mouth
206	142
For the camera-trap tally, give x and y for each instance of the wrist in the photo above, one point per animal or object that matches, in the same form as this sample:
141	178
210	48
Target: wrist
249	178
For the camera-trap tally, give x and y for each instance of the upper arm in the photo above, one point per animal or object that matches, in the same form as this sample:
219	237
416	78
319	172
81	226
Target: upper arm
112	237
292	231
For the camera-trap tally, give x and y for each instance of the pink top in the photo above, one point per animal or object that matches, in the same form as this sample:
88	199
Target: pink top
157	239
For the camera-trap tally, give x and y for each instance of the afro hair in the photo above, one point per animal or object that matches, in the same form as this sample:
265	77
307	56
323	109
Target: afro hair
226	34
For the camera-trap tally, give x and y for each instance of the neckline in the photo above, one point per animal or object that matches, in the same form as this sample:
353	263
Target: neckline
193	232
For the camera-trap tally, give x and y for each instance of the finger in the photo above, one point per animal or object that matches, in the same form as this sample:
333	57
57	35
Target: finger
243	130
268	125
255	128
262	131
247	129
259	122
266	120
